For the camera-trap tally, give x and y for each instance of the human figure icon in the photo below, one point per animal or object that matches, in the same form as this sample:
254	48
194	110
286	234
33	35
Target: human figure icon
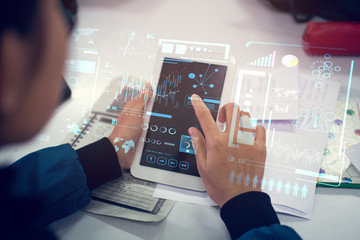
279	186
287	187
232	176
271	184
304	191
239	178
314	119
263	183
247	180
295	189
255	181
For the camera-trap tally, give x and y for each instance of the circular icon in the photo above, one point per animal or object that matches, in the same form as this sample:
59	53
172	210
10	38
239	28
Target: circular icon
145	126
153	141
154	128
158	142
172	131
163	129
316	73
73	81
328	64
142	139
327	56
330	116
147	140
290	61
327	75
321	68
337	69
319	84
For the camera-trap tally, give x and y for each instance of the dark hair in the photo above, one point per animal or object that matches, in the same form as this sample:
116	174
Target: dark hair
70	9
17	15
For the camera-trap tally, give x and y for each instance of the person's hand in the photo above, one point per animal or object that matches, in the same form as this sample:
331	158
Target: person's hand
127	130
221	166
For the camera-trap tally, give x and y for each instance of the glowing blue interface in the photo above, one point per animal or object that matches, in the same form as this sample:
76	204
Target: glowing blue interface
168	145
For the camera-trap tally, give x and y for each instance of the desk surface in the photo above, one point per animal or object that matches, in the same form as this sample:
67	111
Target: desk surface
233	22
335	217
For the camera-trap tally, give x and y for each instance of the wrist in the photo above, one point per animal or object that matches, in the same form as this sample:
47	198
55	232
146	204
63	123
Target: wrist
99	162
124	149
251	209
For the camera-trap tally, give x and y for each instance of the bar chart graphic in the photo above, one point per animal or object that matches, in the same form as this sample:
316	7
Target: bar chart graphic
265	61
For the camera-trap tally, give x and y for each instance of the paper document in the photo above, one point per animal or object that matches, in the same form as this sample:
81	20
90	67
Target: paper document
126	191
183	195
130	198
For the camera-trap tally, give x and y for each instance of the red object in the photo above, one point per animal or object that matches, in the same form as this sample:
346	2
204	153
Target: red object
335	38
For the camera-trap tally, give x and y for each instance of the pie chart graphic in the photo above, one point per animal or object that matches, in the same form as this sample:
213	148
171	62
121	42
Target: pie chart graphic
290	61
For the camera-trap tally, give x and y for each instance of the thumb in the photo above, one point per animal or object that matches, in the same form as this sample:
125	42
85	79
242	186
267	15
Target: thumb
199	146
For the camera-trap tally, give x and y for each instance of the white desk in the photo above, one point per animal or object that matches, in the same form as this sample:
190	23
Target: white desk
335	217
235	22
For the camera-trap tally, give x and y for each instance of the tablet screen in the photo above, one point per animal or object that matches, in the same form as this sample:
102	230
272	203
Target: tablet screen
167	144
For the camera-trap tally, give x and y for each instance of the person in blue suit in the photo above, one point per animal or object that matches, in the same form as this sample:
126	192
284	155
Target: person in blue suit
55	182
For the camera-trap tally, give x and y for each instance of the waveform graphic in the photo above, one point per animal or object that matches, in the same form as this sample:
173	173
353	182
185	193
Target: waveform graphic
131	87
293	153
265	61
170	81
165	93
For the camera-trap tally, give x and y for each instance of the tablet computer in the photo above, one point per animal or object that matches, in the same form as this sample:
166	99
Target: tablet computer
165	152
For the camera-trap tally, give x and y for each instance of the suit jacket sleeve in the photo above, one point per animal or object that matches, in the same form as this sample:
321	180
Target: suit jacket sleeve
61	178
251	216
